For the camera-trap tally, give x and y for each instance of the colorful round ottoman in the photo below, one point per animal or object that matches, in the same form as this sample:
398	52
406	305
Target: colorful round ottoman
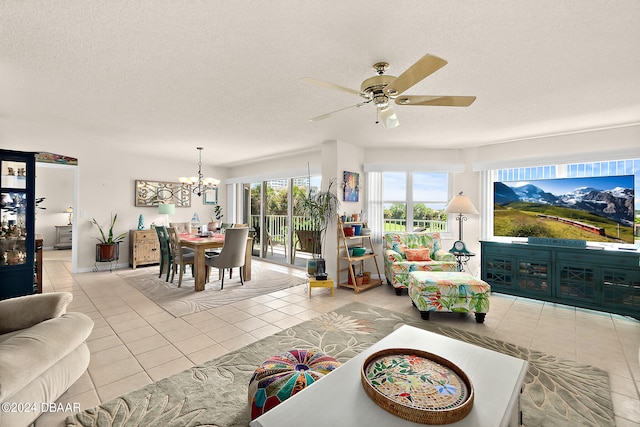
285	374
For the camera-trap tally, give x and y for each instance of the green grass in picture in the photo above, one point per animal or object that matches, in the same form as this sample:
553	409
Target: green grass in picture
520	219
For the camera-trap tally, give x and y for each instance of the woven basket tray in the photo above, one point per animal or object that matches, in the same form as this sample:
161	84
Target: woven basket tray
418	386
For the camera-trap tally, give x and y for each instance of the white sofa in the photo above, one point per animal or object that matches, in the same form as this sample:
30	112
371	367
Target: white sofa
42	352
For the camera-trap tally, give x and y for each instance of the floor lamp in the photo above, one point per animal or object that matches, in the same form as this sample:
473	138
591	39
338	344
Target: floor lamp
460	205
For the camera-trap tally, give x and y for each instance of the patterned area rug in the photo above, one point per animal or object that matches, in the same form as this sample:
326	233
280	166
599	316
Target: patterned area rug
183	300
557	392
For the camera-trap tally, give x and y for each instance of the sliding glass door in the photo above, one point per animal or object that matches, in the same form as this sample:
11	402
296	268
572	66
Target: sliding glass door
275	214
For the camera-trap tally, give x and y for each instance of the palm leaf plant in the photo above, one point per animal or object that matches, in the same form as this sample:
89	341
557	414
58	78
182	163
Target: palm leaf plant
108	239
321	209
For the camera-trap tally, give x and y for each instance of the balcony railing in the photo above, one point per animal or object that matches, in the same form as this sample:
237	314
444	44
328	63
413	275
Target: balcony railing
277	226
428	224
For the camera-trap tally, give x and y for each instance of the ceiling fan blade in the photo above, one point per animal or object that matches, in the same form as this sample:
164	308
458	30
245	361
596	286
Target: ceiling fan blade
443	101
324	116
425	66
388	117
332	86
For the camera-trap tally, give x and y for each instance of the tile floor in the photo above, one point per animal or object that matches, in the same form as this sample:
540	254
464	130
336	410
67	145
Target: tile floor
135	342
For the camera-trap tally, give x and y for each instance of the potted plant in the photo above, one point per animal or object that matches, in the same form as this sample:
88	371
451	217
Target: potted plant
107	249
321	209
214	222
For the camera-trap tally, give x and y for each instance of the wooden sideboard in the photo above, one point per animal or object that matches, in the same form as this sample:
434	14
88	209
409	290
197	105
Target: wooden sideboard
38	264
605	280
63	237
144	248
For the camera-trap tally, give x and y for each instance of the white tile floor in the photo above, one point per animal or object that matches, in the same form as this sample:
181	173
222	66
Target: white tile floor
135	342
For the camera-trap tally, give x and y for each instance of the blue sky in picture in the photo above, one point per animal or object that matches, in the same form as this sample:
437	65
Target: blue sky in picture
562	186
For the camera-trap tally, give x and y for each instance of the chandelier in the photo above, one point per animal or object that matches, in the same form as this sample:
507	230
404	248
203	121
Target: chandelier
198	185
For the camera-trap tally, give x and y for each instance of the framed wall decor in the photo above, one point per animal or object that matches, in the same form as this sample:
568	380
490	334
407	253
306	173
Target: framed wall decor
211	196
152	193
351	187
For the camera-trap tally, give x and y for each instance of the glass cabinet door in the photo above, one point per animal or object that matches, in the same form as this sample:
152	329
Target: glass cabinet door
13	209
17	214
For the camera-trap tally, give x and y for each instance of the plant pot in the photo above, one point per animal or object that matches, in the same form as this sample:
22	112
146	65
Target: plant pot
359	280
356	229
107	252
348	231
367	277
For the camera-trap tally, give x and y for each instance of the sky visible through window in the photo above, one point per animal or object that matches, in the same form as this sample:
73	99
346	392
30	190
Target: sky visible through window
427	187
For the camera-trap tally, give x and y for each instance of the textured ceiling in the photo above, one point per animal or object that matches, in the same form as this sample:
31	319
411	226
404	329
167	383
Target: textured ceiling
157	75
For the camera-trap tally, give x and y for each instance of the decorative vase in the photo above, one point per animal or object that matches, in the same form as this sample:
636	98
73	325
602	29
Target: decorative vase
213	226
312	267
140	222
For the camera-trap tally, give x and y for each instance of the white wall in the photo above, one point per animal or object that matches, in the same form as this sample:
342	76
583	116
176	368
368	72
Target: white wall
297	164
106	184
106	178
55	183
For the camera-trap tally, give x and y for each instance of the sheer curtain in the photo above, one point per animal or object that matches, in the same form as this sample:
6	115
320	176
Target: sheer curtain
375	209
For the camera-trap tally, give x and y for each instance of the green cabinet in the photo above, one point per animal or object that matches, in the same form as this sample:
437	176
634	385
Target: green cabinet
606	280
17	213
517	269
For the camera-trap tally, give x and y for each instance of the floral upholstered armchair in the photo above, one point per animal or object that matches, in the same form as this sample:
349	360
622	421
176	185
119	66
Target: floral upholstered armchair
407	252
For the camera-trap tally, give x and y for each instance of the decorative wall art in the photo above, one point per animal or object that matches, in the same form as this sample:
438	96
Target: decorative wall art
211	196
153	193
351	189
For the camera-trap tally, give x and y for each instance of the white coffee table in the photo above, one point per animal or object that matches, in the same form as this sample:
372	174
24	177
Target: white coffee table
339	399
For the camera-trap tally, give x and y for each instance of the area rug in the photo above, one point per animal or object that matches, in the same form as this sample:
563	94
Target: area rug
183	300
557	392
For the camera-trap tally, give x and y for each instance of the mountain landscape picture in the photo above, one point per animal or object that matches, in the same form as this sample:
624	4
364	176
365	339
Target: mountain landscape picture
594	209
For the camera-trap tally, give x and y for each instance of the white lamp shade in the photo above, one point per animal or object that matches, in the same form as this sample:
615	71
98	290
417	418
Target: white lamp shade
461	204
167	208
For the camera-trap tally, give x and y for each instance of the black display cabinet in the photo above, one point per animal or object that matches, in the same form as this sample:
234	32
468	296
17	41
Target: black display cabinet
17	214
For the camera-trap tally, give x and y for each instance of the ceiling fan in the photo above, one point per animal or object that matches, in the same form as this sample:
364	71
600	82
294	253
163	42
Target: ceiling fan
383	88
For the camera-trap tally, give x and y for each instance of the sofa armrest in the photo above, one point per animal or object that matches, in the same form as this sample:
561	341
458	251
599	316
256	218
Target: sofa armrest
392	256
28	353
24	312
442	255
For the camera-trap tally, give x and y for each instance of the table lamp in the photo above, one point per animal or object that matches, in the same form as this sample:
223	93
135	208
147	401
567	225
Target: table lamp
167	209
69	211
461	205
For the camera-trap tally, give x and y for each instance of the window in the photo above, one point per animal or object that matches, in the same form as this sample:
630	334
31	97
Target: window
413	200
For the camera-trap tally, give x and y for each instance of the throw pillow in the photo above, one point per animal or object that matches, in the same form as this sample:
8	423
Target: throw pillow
417	254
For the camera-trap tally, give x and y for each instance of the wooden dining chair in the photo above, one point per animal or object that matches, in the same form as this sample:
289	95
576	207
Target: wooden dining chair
165	250
181	227
181	258
232	253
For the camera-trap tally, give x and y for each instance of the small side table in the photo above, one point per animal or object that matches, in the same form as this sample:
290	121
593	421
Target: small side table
462	258
313	283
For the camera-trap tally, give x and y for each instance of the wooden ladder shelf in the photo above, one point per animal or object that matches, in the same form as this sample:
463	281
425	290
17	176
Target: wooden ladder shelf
346	261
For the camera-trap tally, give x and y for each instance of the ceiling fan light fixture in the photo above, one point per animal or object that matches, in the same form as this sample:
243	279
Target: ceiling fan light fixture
381	101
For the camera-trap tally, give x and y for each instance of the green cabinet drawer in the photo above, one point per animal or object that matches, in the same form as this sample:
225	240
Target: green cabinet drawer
600	257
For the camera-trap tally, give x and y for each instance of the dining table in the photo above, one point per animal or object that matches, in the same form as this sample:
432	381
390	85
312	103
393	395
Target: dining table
200	244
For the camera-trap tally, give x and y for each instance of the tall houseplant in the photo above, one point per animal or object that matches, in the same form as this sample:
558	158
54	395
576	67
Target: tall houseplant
214	222
107	248
321	209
